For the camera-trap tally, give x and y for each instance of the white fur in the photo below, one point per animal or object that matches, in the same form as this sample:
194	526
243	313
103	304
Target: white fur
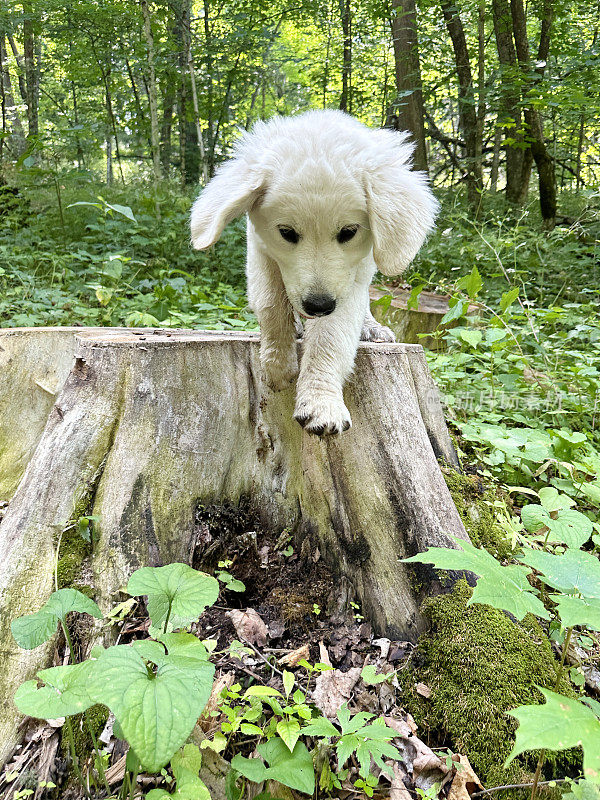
318	173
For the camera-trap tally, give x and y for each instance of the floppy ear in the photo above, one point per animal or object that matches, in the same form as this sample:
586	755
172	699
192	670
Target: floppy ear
233	191
402	211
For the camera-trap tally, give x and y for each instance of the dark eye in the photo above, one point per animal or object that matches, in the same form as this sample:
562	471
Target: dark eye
347	233
290	235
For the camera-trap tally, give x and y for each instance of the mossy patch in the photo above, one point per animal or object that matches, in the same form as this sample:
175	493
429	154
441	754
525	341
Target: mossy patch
93	719
480	664
474	504
74	549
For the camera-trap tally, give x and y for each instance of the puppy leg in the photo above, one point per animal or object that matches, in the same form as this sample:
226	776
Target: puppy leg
268	300
328	357
373	331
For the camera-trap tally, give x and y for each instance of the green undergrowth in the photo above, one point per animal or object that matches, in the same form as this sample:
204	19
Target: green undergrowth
475	504
479	664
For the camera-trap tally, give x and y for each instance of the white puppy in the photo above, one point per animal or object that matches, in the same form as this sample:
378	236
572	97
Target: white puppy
329	201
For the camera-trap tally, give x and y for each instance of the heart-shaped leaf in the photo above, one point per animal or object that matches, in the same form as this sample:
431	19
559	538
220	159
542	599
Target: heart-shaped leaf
177	594
65	692
34	629
155	710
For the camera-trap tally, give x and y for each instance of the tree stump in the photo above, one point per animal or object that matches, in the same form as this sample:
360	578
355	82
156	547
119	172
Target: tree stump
147	426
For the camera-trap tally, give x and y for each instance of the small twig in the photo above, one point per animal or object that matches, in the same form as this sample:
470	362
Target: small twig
517	786
264	658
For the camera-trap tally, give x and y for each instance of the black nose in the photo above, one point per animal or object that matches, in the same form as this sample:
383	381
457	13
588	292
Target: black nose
318	305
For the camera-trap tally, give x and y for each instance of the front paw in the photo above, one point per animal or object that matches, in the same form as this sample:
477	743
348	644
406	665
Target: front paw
322	415
373	331
280	373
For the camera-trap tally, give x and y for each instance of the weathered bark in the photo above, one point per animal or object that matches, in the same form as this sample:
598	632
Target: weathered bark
467	113
150	425
409	111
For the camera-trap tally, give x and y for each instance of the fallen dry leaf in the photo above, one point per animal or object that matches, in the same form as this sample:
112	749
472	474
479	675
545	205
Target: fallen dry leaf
402	727
398	790
324	655
291	659
249	626
207	721
333	688
423	690
465	781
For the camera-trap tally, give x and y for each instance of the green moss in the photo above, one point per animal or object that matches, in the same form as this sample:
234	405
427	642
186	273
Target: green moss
94	718
479	664
474	504
73	547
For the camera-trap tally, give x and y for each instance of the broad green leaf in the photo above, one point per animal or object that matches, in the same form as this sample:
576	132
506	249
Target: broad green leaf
293	769
185	765
262	691
572	572
156	711
346	746
559	724
534	517
124	210
184	644
573	611
321	727
375	750
501	587
65	692
508	298
471	337
412	304
552	500
176	593
471	283
571	528
289	730
288	681
455	312
34	629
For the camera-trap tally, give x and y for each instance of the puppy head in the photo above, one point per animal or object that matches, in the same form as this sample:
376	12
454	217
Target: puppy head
322	191
312	221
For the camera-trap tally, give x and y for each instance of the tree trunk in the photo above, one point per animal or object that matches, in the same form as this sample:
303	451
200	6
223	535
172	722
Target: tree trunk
10	118
346	17
467	113
154	131
509	112
149	426
408	76
31	70
537	149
